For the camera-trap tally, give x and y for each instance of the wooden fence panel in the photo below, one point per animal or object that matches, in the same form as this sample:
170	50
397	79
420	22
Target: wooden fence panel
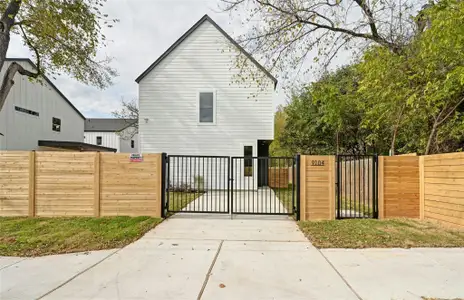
14	183
444	188
64	183
401	188
279	177
130	188
317	188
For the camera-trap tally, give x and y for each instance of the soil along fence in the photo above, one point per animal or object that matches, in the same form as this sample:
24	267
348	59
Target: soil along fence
50	184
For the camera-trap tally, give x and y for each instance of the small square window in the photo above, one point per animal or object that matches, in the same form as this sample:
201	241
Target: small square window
99	140
206	107
56	124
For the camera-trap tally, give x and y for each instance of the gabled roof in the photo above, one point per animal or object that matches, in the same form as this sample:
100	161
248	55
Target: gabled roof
49	83
192	29
107	125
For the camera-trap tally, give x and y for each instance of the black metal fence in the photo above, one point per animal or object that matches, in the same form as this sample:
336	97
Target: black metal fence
263	185
198	184
357	186
238	185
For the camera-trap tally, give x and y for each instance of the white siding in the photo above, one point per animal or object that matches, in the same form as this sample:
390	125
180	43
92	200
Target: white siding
125	144
22	131
168	101
109	139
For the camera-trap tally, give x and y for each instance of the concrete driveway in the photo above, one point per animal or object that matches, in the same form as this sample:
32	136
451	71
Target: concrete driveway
214	257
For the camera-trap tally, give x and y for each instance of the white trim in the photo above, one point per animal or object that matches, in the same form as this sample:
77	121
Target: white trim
214	107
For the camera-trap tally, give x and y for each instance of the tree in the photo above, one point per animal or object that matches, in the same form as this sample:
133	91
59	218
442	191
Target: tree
284	32
423	88
129	112
63	35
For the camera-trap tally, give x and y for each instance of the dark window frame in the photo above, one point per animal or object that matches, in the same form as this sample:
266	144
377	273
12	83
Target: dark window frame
203	108
56	124
248	161
132	144
99	140
27	111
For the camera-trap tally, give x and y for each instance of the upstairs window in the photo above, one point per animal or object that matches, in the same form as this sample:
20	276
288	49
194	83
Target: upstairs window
56	124
207	109
99	140
132	144
26	111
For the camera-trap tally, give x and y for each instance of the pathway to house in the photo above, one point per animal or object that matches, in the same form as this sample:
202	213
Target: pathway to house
215	257
263	200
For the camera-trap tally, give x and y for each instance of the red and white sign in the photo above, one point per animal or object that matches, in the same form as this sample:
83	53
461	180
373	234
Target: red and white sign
136	157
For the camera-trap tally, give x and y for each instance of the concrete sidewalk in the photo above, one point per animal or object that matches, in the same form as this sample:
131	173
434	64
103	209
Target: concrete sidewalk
214	257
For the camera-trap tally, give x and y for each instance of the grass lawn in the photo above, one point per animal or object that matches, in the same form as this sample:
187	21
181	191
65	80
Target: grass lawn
179	200
285	196
43	236
357	206
370	233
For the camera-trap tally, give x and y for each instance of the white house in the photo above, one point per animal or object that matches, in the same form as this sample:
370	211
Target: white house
190	103
37	116
112	133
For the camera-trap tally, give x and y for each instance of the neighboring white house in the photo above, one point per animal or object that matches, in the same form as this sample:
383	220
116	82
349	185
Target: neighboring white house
190	103
113	133
37	116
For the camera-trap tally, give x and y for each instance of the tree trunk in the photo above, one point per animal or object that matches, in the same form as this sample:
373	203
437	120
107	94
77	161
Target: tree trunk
431	137
7	21
395	130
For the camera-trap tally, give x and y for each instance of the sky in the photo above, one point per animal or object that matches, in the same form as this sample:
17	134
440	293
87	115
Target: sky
146	29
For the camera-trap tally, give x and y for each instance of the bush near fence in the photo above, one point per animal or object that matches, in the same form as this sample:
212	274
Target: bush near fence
52	184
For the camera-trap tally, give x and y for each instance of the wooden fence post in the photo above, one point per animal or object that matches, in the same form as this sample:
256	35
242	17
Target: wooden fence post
32	184
421	187
96	185
380	181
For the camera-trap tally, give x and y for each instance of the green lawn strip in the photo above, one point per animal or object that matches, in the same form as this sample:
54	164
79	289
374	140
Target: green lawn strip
179	200
285	196
370	233
44	236
354	205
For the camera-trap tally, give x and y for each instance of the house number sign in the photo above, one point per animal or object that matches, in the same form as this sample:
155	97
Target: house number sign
317	163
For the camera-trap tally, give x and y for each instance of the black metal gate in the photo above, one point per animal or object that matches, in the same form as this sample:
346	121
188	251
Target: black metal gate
263	185
237	185
357	186
198	184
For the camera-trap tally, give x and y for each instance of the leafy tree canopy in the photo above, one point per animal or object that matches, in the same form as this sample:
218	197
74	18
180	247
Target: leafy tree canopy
63	35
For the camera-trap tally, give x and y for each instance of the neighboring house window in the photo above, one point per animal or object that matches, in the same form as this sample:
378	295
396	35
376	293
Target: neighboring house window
132	144
26	111
248	154
56	124
99	140
207	109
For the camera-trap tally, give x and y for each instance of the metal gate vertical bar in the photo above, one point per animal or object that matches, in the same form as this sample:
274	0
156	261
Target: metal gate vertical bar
298	185
338	188
231	185
163	184
376	185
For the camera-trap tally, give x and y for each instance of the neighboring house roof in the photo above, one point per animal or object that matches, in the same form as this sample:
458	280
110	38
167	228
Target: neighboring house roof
107	125
75	146
185	35
49	83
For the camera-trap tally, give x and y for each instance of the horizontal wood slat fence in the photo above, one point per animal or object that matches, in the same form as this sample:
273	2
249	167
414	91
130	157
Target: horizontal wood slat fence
51	184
